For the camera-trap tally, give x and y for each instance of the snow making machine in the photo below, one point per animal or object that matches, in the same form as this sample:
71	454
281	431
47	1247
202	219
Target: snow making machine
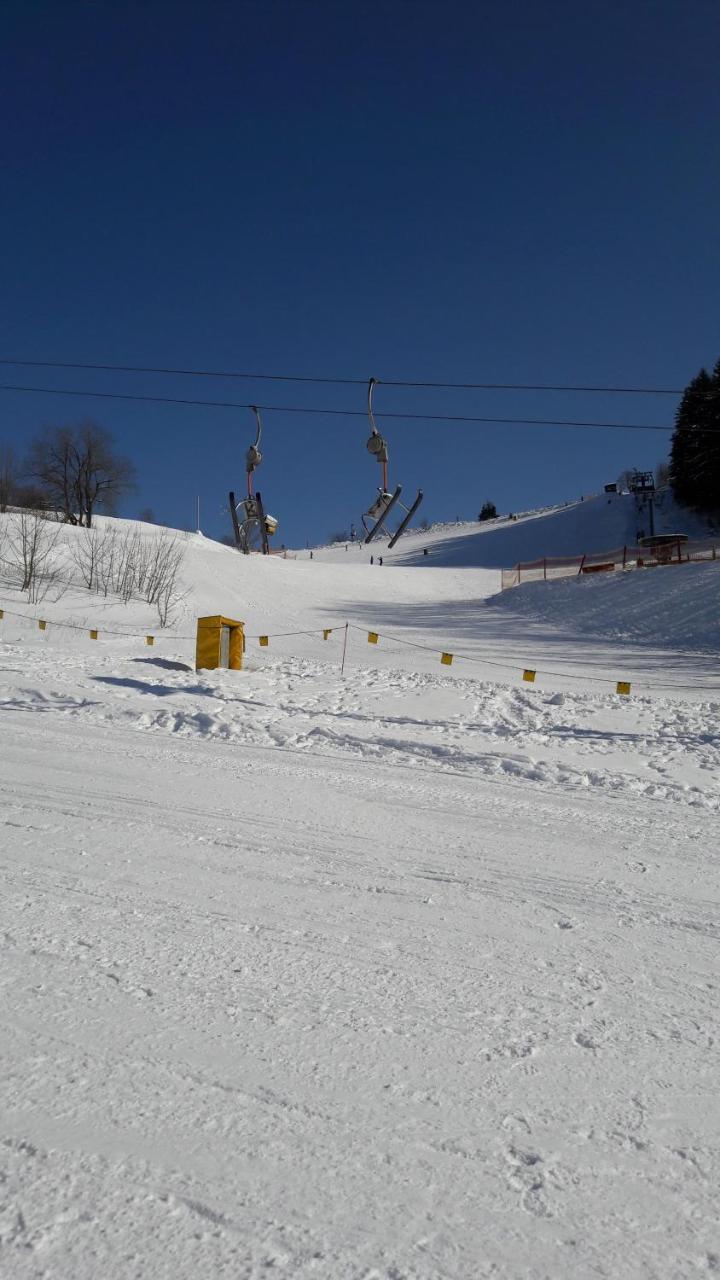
375	518
252	525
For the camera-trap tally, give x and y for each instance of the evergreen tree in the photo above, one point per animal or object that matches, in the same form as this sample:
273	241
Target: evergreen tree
695	451
712	488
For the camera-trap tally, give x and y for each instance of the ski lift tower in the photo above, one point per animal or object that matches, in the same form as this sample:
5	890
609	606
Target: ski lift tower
642	482
642	485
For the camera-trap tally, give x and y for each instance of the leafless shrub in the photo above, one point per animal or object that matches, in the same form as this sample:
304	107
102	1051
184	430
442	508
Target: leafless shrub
47	584
167	603
162	566
129	552
106	563
31	542
87	553
115	562
131	566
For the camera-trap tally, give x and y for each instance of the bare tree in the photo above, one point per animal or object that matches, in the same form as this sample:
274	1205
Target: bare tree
103	475
79	470
8	476
13	491
32	497
51	463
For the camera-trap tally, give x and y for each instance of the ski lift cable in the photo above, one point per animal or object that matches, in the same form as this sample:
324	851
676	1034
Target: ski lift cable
349	413
356	382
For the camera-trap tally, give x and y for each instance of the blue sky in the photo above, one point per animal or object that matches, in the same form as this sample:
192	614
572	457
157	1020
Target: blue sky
479	192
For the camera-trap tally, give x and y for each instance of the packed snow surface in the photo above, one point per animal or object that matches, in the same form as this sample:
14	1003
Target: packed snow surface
397	974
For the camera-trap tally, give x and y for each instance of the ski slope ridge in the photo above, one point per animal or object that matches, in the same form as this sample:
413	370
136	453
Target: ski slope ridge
597	523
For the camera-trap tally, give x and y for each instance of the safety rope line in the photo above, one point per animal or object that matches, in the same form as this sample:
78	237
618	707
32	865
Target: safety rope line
446	656
170	635
505	666
486	662
75	626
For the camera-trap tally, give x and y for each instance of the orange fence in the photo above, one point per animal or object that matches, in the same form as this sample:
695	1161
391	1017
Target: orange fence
605	561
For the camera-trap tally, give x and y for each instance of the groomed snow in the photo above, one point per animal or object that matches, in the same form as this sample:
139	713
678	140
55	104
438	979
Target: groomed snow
396	975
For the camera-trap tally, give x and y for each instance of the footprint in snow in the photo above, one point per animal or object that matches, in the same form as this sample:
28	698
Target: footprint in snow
585	1041
527	1177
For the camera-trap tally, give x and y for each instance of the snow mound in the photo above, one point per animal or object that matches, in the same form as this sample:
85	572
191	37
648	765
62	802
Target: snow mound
674	605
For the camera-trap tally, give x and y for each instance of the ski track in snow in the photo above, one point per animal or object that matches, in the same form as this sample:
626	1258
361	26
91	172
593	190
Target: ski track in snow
298	983
397	976
654	748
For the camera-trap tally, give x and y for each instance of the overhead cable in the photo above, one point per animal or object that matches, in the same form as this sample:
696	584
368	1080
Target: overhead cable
354	382
346	413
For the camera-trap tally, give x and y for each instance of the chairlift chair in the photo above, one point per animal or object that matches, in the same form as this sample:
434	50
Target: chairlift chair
374	519
252	526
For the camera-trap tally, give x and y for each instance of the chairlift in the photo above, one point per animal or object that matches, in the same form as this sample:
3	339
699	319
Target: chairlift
374	519
252	526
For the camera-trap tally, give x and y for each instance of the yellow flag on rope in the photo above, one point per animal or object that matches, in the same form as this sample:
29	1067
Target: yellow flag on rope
372	637
446	659
623	686
529	676
263	642
42	625
93	635
327	631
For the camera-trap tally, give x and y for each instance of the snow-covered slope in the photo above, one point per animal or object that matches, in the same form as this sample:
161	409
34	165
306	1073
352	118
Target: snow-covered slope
674	606
598	523
408	971
571	635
